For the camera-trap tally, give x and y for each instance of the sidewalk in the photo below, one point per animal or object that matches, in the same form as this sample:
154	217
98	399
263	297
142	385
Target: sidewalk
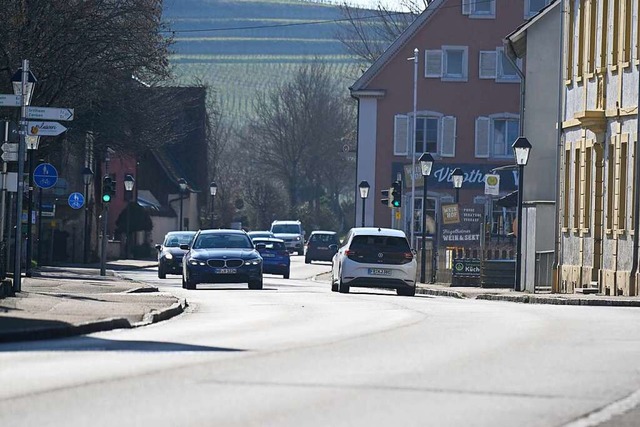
66	301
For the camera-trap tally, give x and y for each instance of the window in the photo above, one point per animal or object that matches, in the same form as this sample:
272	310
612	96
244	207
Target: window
496	135
496	66
567	189
532	7
427	134
449	63
434	133
430	220
479	8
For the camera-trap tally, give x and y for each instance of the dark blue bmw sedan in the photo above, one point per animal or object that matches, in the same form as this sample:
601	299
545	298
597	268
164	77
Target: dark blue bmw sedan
221	256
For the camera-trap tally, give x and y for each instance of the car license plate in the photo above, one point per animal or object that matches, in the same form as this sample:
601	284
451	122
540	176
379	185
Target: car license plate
226	271
379	272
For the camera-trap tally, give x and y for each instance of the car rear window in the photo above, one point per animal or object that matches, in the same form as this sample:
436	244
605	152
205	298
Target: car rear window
380	243
272	245
286	229
323	238
175	240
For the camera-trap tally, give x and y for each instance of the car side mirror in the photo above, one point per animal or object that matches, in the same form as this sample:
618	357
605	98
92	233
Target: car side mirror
158	247
184	247
260	246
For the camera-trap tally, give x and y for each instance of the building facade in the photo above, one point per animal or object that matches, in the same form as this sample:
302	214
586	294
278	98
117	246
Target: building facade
598	212
466	113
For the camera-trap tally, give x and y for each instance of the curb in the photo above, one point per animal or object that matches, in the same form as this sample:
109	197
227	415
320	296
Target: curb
92	326
531	299
440	293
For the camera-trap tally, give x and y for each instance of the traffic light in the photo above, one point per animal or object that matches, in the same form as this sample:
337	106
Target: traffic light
108	189
396	194
385	197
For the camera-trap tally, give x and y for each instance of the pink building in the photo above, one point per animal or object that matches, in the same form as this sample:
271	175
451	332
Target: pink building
467	110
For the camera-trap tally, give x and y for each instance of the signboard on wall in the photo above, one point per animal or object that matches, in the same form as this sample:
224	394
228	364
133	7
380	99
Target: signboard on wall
450	214
465	233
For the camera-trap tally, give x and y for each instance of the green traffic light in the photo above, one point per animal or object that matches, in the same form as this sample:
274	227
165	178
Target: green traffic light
396	204
106	198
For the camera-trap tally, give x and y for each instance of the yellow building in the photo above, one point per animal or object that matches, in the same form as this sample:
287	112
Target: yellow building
598	211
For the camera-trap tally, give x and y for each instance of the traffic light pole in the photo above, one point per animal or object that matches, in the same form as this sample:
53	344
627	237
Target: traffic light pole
103	250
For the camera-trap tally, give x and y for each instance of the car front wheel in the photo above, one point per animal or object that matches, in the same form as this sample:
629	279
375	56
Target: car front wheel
343	288
406	292
255	284
161	273
188	284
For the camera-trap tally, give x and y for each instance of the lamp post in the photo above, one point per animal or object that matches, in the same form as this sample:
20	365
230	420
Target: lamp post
458	178
364	193
23	84
426	164
128	192
213	189
521	148
182	183
87	178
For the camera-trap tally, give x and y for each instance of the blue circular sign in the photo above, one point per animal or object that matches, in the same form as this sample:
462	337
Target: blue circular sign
76	200
45	175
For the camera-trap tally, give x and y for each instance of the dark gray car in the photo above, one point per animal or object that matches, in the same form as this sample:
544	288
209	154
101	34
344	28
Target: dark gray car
321	246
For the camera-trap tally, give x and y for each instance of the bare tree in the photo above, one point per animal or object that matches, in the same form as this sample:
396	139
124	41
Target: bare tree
367	33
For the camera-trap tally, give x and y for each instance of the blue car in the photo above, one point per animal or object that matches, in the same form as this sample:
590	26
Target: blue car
221	256
275	256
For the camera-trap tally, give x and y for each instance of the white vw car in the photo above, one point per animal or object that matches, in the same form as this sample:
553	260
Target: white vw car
375	258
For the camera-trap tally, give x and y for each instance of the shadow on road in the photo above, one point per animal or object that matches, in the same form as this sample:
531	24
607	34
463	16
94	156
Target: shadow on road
98	344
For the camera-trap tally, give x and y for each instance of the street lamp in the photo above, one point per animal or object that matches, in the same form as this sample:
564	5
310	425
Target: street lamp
128	192
182	183
458	178
426	164
364	193
87	178
23	82
213	189
521	148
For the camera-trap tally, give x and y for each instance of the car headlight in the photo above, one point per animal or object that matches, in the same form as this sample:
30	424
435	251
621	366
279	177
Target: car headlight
194	261
253	261
168	255
298	238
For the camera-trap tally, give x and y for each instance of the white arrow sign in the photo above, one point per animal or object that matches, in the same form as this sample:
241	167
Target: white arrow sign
10	156
46	113
45	128
10	100
10	146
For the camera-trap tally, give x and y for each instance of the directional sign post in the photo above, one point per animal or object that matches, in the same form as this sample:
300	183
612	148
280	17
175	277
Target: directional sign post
48	113
9	152
76	200
10	100
45	175
45	128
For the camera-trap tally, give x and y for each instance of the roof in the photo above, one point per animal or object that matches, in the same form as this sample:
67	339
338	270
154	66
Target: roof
518	38
286	221
222	231
267	239
392	50
172	233
369	231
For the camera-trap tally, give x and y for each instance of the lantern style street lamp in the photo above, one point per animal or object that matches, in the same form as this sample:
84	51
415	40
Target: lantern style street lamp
182	184
521	148
364	193
426	165
458	178
213	189
128	192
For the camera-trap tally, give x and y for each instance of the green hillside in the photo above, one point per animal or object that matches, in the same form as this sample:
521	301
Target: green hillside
240	47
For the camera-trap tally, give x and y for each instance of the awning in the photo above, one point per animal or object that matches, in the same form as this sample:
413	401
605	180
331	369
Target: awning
508	201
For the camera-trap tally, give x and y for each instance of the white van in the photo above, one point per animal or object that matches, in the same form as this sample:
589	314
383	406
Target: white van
292	233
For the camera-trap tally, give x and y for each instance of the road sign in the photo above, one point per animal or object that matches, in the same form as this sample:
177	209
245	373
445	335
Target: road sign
10	100
47	113
10	156
76	200
45	128
10	146
45	175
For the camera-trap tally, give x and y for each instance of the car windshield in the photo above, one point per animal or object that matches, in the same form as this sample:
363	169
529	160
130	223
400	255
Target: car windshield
272	245
286	229
177	239
253	234
380	243
221	241
323	238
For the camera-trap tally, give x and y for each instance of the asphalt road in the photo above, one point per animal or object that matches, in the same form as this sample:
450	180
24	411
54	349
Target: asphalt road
296	354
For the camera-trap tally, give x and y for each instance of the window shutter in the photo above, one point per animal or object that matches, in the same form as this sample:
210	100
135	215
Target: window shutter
466	7
448	146
488	64
401	135
482	136
433	63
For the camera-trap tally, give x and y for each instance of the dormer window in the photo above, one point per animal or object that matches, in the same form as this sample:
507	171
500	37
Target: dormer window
482	9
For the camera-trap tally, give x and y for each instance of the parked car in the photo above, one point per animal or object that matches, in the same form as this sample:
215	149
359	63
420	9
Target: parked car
375	258
321	246
292	233
221	256
275	256
169	252
254	234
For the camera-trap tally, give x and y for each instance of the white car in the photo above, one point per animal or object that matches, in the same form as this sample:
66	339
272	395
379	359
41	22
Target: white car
375	258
